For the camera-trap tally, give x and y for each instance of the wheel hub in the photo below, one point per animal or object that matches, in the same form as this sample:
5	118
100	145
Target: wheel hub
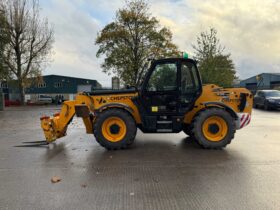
213	128
114	129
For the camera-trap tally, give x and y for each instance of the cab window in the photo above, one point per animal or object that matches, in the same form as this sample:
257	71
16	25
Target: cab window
163	78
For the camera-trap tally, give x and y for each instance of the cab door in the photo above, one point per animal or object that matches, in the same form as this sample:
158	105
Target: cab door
160	94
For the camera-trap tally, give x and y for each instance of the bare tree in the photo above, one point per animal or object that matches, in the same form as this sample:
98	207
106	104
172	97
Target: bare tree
30	40
3	41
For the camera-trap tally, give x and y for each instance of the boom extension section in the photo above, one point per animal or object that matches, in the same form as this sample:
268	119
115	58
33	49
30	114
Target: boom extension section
55	127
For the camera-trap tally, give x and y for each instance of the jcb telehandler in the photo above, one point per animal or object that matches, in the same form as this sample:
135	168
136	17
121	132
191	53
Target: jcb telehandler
171	99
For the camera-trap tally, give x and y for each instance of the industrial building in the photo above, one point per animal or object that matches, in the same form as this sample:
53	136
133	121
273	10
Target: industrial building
262	82
50	85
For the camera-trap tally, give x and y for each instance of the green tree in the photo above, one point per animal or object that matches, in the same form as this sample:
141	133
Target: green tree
215	66
128	42
163	77
29	40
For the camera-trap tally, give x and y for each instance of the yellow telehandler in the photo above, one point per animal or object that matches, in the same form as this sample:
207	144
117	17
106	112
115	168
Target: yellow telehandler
171	99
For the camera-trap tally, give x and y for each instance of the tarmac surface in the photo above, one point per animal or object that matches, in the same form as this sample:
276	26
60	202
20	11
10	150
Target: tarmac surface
159	171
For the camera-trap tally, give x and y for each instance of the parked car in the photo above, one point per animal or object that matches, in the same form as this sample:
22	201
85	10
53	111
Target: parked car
268	99
44	99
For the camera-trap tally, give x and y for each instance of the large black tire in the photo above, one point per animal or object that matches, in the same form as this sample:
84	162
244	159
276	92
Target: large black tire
202	139
129	135
187	130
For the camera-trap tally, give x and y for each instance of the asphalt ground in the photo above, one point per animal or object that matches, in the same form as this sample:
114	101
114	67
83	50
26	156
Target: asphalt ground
159	171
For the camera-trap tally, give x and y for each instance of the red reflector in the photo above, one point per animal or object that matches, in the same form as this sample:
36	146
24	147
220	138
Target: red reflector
45	118
56	114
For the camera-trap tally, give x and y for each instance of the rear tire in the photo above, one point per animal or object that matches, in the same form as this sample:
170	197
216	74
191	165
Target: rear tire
187	130
114	129
213	128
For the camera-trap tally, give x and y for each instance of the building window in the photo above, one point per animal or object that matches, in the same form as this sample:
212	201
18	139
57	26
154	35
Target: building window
42	85
4	85
57	84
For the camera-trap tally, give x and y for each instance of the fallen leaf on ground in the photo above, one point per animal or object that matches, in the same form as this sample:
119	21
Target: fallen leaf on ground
55	179
155	180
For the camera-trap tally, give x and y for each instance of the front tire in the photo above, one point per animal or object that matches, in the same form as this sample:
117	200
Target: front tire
213	128
114	129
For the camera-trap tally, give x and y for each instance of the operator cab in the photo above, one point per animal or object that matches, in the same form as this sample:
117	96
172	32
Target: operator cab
169	90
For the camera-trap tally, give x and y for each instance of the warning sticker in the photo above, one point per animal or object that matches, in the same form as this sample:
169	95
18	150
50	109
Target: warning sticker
154	109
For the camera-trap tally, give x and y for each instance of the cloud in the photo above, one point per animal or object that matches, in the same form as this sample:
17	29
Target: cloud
249	29
75	32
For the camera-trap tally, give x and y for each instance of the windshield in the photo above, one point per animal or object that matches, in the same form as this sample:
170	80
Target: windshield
273	94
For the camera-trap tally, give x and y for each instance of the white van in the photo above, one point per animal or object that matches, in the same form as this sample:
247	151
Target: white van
44	99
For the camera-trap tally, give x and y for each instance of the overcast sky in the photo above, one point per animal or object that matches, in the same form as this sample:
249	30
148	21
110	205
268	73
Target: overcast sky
249	29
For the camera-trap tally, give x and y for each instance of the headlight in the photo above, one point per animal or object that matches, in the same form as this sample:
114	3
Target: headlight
271	100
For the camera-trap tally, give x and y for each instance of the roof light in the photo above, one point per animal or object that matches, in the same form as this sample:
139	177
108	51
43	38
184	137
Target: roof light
185	55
